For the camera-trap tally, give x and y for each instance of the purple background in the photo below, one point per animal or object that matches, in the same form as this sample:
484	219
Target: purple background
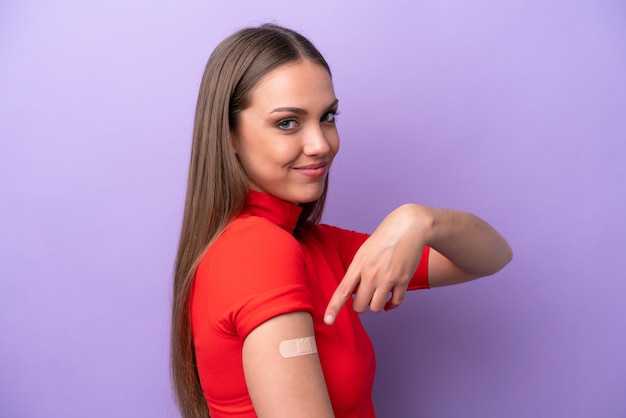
513	110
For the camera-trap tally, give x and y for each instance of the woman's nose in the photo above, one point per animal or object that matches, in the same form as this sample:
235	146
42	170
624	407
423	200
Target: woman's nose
315	142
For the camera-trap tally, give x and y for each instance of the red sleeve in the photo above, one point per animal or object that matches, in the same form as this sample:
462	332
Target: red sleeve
253	272
348	243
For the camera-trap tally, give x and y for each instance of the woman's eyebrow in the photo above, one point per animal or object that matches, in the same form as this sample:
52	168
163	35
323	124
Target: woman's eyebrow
290	109
301	111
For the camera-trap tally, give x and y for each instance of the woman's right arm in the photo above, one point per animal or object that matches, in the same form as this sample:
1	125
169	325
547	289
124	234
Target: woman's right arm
279	386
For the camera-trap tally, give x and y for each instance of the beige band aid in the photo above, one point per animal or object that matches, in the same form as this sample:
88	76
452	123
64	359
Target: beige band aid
297	347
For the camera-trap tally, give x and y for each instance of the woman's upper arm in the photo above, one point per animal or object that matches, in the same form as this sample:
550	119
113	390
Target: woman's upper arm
284	387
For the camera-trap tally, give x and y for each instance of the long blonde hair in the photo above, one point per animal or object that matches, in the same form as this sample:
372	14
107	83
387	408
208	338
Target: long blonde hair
217	185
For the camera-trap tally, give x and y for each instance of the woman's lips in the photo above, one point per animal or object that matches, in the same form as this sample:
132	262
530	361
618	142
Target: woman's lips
313	170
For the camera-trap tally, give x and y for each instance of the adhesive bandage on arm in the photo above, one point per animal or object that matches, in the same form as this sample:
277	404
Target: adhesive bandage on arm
297	347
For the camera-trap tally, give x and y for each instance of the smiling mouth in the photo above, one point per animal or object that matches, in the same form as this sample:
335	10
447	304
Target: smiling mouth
312	166
313	170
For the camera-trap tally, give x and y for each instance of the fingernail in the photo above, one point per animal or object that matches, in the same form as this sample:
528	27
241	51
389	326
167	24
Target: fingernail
329	319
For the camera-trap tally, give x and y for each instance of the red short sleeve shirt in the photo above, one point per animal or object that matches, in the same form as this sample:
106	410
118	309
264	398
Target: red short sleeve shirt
256	270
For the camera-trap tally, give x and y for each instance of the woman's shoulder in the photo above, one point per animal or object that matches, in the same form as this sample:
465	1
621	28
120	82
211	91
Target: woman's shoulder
250	269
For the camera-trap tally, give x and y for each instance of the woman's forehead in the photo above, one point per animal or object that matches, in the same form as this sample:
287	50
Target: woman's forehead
299	84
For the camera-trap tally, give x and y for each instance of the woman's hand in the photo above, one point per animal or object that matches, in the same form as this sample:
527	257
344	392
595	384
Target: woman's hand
385	263
463	247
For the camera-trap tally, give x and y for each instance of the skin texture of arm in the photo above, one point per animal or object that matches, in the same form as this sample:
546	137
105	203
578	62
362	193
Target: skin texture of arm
463	248
284	387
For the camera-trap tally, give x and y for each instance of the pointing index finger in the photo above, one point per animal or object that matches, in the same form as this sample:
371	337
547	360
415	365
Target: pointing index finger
341	295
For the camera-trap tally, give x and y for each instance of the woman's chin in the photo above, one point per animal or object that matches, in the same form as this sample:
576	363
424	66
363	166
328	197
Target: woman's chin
303	198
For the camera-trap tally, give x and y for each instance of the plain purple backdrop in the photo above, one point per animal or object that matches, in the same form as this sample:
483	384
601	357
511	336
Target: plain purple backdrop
513	110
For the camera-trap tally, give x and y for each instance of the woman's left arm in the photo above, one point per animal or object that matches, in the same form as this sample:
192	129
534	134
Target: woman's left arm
463	248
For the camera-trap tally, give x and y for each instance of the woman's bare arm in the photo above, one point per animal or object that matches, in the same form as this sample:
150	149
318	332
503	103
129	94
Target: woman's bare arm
291	387
466	247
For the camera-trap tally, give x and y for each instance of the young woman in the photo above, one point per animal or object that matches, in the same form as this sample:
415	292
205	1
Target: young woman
263	322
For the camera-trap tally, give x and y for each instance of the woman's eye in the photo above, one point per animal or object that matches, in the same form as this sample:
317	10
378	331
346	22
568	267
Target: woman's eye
329	117
287	124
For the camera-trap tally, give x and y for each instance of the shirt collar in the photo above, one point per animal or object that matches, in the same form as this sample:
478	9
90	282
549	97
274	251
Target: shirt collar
277	211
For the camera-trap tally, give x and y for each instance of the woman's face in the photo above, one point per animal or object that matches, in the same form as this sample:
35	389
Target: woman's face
286	138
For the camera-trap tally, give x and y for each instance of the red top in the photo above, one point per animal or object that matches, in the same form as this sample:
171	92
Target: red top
255	270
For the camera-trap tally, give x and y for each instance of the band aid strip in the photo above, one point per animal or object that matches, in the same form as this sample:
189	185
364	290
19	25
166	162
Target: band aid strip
297	347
